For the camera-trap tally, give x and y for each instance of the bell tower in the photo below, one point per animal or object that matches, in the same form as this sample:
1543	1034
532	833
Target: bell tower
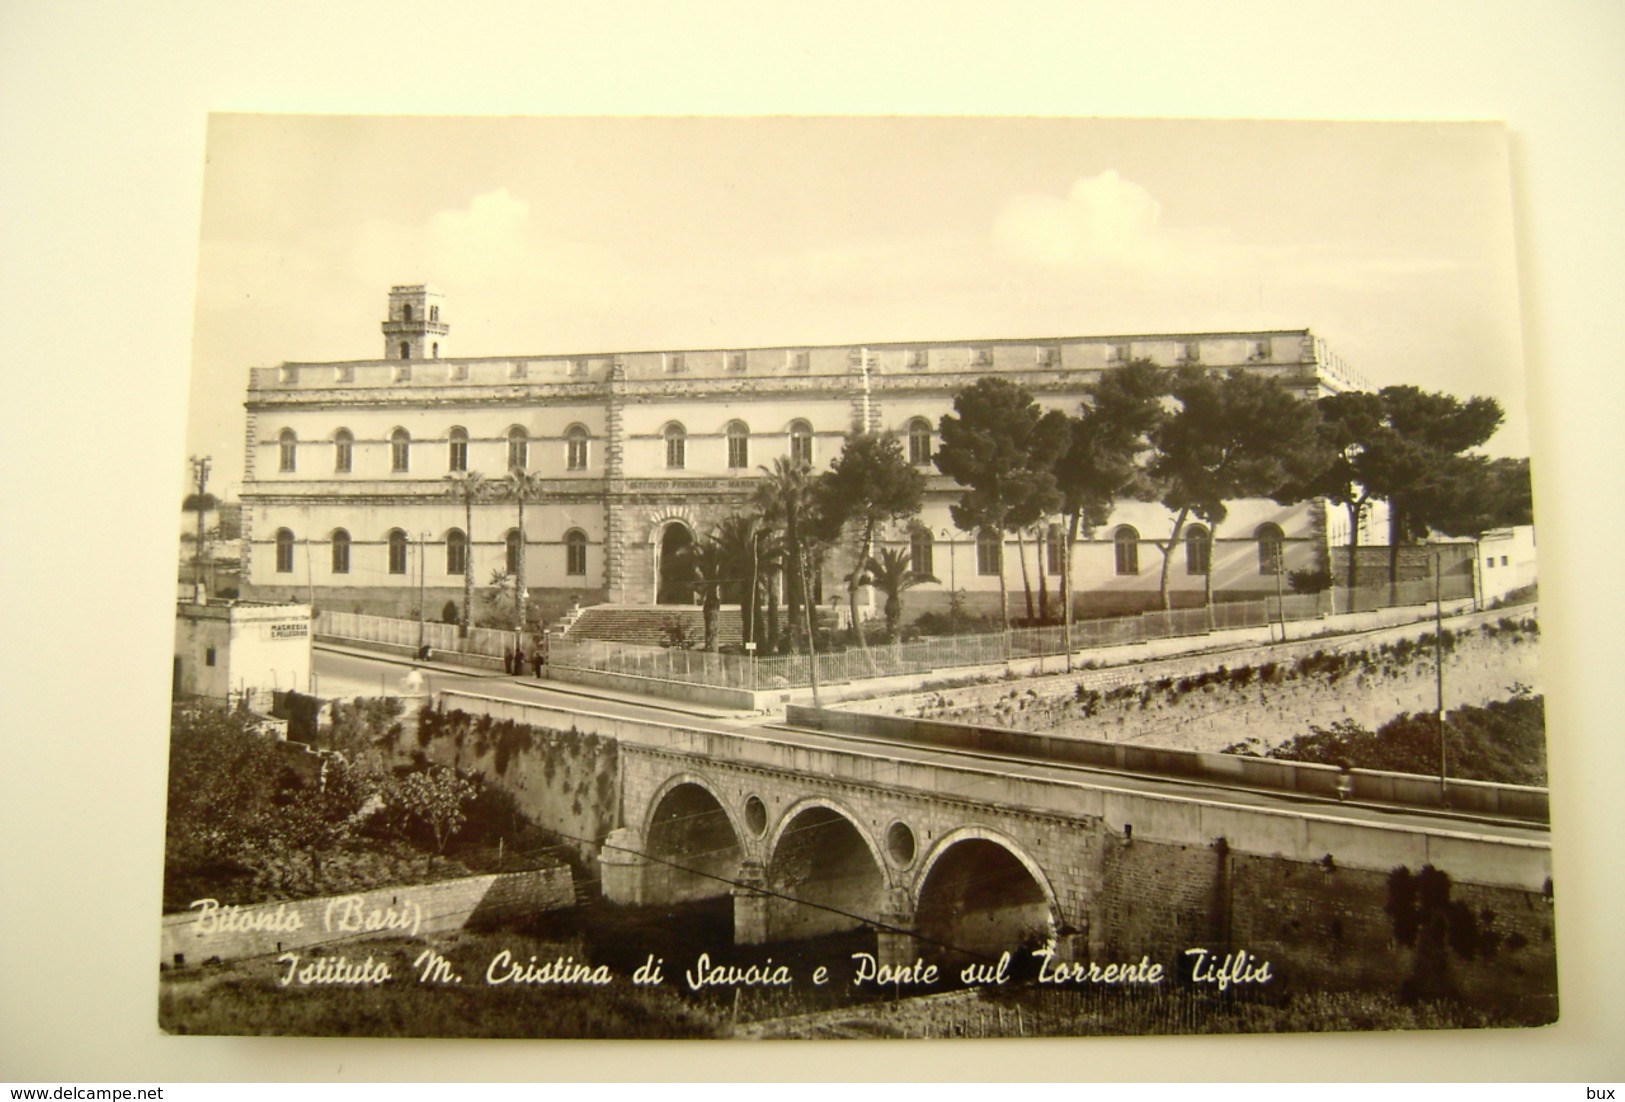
414	329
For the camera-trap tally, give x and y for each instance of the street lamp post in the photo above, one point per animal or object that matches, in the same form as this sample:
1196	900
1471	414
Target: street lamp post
423	555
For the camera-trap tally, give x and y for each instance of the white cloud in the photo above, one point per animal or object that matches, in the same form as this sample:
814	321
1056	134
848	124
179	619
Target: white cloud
1102	218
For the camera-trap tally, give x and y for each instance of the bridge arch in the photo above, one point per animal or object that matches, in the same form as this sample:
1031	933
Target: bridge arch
695	845
979	894
820	854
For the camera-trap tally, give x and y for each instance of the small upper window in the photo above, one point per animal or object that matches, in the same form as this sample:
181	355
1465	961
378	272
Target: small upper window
675	363
738	445
400	451
518	449
434	313
676	446
1127	543
406	312
343	451
1271	544
457	452
287	451
919	442
575	448
284	551
801	442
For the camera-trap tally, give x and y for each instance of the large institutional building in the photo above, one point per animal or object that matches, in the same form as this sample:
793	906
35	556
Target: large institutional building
345	494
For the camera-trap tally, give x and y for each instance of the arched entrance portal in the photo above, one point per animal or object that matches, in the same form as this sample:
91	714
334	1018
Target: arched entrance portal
675	586
694	846
824	875
978	900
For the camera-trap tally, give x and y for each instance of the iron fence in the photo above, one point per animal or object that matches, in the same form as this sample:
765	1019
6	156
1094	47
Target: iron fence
793	671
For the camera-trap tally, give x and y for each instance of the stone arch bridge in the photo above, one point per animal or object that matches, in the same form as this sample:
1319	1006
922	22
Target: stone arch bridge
945	854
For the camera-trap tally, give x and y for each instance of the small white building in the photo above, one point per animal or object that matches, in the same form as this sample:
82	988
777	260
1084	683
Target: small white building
1506	561
233	648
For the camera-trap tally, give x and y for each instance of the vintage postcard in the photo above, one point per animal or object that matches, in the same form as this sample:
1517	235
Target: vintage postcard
814	578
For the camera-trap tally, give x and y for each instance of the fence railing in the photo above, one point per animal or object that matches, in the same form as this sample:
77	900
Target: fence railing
489	642
739	671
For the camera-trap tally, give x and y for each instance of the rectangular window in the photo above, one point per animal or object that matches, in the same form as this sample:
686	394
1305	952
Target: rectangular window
735	361
738	452
981	357
578	368
399	456
576	453
988	555
674	452
675	363
1503	560
1053	550
342	457
208	657
459	455
917	359
1489	562
800	361
575	557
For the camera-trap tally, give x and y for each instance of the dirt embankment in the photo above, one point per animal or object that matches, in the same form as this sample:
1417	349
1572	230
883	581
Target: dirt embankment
1273	702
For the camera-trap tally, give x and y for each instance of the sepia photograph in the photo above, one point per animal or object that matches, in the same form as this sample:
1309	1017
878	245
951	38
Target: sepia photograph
823	577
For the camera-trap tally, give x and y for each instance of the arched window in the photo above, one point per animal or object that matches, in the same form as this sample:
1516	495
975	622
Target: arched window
434	313
457	450
738	445
406	350
343	451
397	551
801	442
575	448
1271	543
1127	543
676	446
341	551
919	442
287	449
1054	549
518	448
437	350
406	312
284	551
400	451
1197	547
919	551
989	552
575	551
456	552
511	540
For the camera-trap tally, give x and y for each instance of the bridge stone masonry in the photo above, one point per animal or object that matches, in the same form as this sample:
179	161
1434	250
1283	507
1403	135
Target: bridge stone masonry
951	859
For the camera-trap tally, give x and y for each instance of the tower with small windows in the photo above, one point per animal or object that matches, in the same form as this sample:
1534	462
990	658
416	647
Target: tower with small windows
415	328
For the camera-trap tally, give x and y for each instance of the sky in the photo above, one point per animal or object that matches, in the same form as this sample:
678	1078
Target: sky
1393	241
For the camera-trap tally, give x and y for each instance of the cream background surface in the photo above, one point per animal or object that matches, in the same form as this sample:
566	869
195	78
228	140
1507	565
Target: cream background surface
101	168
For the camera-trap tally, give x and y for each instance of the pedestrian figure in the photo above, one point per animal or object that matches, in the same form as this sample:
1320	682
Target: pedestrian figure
536	658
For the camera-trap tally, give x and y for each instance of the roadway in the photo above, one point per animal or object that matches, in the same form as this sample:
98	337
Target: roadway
344	671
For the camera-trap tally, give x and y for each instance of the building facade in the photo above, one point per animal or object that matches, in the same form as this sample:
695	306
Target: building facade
346	500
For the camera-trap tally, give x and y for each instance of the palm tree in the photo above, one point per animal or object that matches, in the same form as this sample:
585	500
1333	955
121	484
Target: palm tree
750	551
785	495
519	487
893	573
467	487
703	564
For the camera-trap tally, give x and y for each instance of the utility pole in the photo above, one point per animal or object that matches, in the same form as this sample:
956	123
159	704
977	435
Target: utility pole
1438	672
200	475
423	554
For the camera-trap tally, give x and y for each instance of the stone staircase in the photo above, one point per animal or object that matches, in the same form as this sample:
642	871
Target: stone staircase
646	624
